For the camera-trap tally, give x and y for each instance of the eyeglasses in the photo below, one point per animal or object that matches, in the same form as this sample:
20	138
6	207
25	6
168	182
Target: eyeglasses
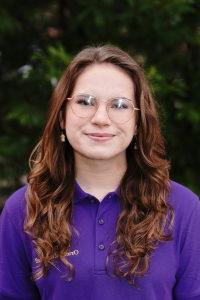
119	109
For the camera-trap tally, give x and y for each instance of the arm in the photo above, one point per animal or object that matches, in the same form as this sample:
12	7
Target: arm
15	272
188	274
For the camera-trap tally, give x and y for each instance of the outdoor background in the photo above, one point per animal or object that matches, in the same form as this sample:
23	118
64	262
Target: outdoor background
39	38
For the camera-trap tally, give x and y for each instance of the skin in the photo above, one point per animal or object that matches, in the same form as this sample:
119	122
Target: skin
97	161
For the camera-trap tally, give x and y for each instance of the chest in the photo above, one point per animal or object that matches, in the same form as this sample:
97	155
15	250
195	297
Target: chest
95	225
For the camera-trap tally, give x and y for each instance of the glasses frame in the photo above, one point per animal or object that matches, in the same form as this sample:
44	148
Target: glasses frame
131	101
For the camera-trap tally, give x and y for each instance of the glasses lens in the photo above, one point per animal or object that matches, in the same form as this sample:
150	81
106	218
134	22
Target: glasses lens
84	105
120	110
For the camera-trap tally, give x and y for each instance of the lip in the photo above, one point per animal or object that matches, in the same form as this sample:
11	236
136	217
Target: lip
100	136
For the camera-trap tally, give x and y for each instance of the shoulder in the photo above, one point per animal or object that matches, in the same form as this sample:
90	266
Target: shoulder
15	205
186	242
186	206
182	197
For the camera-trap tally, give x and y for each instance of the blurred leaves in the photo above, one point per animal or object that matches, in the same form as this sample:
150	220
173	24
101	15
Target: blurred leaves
38	40
8	24
52	62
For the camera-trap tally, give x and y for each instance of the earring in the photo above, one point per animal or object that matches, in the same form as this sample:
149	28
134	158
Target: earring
62	136
135	146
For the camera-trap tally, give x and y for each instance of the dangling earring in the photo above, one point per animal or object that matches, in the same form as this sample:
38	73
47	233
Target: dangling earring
135	146
63	136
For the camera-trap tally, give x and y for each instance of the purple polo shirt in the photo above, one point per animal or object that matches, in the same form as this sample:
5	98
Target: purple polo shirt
174	271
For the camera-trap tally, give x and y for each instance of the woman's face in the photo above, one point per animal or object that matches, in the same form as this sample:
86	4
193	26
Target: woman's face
104	81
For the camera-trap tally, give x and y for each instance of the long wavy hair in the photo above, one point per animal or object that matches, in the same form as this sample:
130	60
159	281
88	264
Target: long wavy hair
146	217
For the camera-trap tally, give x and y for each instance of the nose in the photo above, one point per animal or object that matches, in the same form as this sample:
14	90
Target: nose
101	117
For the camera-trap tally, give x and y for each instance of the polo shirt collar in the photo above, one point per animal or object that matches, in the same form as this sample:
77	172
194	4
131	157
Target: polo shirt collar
80	194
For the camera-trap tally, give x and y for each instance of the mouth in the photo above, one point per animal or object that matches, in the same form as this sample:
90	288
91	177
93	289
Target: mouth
103	134
100	136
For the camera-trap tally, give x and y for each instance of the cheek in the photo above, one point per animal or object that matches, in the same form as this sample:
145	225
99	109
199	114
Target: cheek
129	131
73	127
72	135
70	121
69	125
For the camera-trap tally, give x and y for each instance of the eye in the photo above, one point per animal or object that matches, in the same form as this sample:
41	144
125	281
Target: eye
85	100
120	104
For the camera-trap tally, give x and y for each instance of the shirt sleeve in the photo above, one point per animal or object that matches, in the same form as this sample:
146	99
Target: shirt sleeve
188	274
15	272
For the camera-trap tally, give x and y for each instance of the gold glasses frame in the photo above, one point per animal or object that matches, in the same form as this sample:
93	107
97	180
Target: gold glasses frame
107	101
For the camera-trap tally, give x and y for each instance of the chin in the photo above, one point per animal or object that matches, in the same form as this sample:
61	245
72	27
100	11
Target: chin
96	155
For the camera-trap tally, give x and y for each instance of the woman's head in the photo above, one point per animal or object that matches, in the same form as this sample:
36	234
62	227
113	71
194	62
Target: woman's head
103	72
100	119
100	74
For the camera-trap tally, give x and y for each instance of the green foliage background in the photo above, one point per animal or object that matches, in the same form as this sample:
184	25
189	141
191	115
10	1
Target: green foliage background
38	39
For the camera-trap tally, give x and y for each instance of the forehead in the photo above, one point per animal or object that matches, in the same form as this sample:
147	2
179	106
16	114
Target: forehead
104	79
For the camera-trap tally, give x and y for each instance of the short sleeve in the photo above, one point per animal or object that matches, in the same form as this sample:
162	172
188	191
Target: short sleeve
15	272
188	274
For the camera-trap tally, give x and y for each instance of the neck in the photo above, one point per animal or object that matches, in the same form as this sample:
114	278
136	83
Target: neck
99	177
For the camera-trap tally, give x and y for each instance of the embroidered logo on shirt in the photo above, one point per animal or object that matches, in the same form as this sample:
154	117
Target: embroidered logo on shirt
75	252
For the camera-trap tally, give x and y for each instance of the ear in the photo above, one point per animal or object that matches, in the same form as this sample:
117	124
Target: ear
61	121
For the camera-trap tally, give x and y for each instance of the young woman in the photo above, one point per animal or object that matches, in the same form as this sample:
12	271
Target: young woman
99	217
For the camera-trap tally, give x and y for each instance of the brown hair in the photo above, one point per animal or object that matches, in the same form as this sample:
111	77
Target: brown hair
146	217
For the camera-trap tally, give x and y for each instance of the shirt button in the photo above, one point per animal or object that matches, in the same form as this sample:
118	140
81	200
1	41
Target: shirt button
101	247
101	221
92	200
109	196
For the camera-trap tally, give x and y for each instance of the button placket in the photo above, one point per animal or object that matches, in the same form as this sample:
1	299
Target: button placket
101	246
101	221
105	232
92	200
100	253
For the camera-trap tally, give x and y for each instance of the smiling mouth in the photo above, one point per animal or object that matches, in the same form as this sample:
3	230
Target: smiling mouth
100	137
100	134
